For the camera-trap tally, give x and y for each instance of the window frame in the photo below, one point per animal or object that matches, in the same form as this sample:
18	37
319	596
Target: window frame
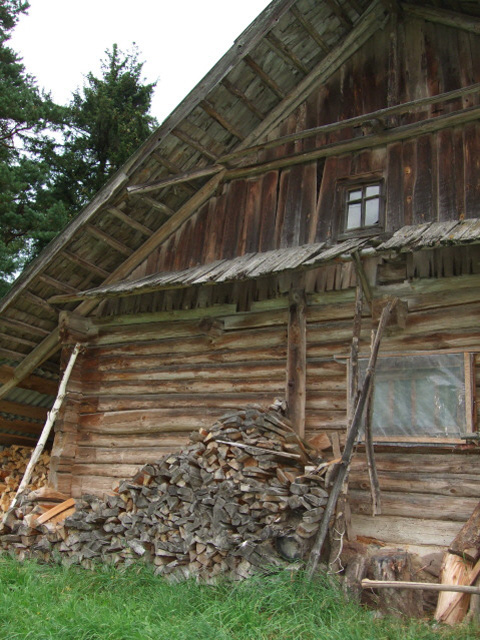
471	427
344	187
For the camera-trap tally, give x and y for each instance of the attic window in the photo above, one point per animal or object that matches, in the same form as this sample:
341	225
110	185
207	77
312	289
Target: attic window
419	397
363	206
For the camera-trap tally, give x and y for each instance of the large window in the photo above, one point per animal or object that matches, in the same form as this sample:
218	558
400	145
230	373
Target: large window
422	396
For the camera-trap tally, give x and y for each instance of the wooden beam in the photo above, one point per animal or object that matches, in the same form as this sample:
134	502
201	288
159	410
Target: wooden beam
85	264
25	441
159	206
372	20
264	77
17	409
429	586
222	121
297	361
22	426
56	284
108	239
392	5
51	344
131	222
11	355
174	169
9	338
313	33
362	277
366	142
30	382
442	16
23	326
380	114
231	88
39	302
184	137
285	53
196	174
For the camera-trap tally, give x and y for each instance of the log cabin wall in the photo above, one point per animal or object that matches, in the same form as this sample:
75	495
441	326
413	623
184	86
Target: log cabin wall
147	380
300	204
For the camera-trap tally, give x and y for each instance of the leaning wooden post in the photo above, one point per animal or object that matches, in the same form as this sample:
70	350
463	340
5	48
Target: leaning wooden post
344	465
369	450
297	360
52	415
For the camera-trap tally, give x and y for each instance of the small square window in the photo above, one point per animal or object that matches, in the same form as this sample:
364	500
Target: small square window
363	207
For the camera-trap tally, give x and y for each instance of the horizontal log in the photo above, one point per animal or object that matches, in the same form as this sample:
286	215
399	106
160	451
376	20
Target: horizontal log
203	372
467	486
21	426
252	385
15	408
119	455
415	505
455	464
405	531
428	586
166	400
153	418
89	440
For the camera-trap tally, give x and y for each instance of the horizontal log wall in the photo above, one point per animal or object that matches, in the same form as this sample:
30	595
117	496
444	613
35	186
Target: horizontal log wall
147	386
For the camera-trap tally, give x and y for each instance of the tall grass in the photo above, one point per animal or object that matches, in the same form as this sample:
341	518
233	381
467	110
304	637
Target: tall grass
50	602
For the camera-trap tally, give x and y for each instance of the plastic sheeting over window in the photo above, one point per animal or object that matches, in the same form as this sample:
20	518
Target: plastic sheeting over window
419	396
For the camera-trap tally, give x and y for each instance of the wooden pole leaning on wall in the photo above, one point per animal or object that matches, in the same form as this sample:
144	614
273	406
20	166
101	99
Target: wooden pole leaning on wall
356	422
52	415
297	360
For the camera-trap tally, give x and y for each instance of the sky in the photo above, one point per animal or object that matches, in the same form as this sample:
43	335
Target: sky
61	41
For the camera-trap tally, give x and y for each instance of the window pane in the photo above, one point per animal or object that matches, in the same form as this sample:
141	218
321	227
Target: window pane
419	396
355	195
372	190
372	212
354	219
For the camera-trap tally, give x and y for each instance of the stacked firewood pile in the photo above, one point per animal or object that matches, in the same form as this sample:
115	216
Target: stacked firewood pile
13	462
248	493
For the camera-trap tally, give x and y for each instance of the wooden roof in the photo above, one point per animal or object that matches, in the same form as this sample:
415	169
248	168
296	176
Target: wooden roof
292	46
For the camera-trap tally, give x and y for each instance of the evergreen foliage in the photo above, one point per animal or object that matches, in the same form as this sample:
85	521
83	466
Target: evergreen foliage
53	159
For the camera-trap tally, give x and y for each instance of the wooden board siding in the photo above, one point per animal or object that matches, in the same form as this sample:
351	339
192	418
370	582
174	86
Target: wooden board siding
434	176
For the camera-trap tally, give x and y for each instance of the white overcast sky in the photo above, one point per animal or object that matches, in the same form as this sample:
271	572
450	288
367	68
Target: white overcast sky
60	41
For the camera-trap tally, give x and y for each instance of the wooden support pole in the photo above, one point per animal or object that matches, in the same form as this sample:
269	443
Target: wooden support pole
443	16
297	360
369	450
344	465
48	426
429	586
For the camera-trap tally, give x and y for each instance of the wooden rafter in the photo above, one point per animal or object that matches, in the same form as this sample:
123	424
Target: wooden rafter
266	79
129	221
159	206
187	139
50	345
231	88
372	20
442	16
174	169
312	32
56	284
23	326
356	5
285	53
222	121
40	302
18	340
30	382
27	411
108	239
11	355
196	174
86	264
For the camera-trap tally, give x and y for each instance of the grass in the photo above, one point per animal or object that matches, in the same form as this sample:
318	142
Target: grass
42	602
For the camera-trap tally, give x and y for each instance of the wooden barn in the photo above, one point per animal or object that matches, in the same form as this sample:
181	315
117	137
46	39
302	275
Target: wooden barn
328	163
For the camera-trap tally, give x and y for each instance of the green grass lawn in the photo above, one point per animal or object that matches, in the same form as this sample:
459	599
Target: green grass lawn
42	602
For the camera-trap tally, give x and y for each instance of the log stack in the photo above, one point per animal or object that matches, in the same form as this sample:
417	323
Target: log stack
13	462
243	495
